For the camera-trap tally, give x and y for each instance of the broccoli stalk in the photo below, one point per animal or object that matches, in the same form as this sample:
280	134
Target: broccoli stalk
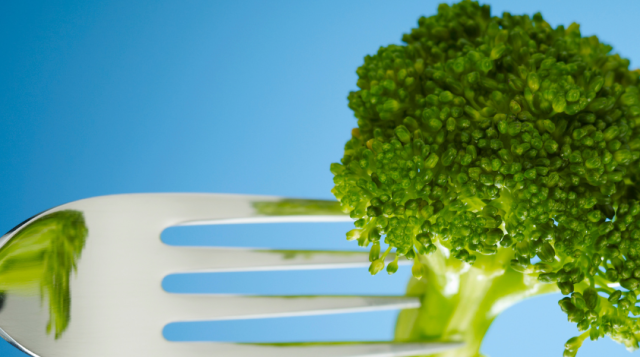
501	156
459	301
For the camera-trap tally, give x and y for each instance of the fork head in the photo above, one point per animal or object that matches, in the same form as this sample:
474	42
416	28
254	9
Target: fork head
85	278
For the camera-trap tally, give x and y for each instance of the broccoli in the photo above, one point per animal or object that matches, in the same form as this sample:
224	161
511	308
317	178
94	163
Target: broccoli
499	154
39	260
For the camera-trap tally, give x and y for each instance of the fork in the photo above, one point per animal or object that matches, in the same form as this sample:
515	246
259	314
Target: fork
102	263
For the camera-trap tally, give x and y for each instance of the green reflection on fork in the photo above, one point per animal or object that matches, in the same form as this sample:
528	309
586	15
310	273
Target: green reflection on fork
40	259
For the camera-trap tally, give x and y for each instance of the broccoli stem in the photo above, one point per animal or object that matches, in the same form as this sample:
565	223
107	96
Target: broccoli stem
460	301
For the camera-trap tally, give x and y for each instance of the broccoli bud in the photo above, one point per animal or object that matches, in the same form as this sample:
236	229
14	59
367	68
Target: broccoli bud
481	135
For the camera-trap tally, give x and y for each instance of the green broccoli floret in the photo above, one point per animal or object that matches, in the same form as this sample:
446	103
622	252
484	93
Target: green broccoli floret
484	143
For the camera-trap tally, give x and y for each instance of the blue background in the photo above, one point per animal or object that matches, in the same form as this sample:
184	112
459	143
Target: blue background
104	97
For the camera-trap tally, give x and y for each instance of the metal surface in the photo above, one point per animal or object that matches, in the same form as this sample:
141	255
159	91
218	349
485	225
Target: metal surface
109	300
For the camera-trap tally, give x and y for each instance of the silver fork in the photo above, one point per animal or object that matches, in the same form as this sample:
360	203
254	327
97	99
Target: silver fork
115	304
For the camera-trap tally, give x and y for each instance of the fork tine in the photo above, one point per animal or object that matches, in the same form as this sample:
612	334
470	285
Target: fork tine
189	307
184	209
347	349
209	259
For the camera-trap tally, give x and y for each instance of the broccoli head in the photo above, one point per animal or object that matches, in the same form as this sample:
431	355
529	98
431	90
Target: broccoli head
487	136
